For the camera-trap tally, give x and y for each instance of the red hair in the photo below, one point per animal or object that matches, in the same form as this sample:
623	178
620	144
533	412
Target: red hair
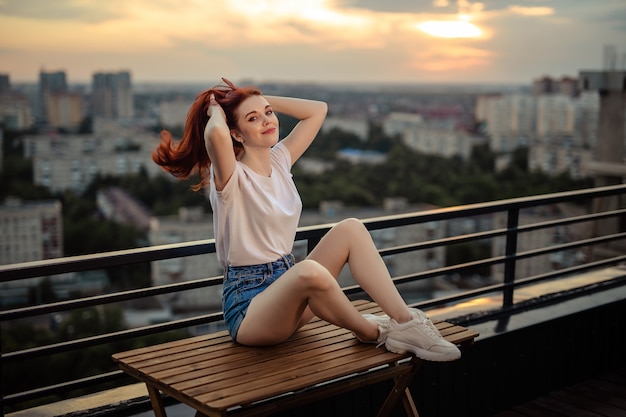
190	155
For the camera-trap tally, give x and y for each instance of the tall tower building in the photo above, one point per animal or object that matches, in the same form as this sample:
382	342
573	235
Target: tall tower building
5	83
51	84
610	158
112	95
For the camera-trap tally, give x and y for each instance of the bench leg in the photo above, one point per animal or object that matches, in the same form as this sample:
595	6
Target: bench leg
401	390
156	401
409	404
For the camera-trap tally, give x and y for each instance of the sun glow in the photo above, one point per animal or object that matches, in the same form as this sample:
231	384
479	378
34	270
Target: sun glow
450	29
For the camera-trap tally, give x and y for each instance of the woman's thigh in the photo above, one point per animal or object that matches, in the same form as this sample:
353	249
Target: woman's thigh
333	249
277	312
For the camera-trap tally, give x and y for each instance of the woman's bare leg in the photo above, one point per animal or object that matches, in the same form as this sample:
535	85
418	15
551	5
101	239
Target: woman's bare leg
349	241
276	313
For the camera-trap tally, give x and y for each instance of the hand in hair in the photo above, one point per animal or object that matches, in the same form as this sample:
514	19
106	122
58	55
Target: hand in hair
217	118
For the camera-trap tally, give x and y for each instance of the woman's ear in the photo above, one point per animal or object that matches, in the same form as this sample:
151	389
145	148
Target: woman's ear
236	135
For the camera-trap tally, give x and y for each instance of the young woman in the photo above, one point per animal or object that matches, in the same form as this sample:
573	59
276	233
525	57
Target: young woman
231	140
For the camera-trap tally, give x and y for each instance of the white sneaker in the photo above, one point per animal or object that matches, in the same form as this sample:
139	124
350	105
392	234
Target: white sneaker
420	337
383	328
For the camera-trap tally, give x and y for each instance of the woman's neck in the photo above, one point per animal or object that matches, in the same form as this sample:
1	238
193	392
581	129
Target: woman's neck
258	160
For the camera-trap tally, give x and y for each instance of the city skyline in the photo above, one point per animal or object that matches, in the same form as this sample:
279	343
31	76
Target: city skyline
356	41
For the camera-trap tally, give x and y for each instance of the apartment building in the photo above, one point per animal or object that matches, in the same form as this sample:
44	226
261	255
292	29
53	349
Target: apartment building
432	137
358	127
509	120
191	224
30	231
50	83
557	124
64	110
71	162
174	112
15	111
112	95
558	154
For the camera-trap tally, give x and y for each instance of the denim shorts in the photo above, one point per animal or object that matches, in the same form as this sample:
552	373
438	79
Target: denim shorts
243	283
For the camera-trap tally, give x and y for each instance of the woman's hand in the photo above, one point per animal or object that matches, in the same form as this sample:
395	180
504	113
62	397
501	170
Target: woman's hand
311	114
217	118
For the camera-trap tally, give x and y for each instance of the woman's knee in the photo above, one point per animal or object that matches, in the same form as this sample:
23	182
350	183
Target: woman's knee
350	226
314	276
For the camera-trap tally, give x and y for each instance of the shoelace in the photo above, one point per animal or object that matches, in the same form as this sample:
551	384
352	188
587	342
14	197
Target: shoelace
431	329
383	330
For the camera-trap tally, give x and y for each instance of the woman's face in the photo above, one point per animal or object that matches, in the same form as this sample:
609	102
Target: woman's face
257	124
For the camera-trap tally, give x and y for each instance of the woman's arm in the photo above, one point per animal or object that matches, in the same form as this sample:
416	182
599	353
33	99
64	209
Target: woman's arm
219	145
311	114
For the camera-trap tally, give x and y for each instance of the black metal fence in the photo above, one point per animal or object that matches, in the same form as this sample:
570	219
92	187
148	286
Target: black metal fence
506	285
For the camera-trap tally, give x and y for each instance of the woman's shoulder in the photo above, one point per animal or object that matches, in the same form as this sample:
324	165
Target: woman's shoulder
280	154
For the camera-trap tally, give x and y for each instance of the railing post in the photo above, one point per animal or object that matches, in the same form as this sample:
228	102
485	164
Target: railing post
311	243
1	379
510	253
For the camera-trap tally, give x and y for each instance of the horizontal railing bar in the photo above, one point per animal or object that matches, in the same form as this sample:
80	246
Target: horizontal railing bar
491	207
570	220
570	270
355	289
63	387
442	242
111	337
66	305
104	260
570	245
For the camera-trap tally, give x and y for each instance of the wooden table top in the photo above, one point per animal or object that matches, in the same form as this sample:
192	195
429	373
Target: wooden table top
213	372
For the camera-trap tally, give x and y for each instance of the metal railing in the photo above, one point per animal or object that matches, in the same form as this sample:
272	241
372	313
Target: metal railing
311	235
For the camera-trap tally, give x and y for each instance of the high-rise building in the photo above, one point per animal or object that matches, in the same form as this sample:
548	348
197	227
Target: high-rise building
112	95
610	150
64	110
546	85
50	83
5	84
15	110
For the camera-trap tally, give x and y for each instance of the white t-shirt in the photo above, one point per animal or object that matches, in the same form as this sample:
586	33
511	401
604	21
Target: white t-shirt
255	217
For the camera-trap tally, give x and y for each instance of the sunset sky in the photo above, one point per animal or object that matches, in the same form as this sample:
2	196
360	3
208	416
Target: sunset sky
382	41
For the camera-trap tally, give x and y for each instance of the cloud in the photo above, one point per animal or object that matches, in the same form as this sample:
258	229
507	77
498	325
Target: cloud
532	11
61	10
307	39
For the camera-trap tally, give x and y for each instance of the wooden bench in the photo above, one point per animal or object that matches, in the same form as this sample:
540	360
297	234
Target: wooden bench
218	377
